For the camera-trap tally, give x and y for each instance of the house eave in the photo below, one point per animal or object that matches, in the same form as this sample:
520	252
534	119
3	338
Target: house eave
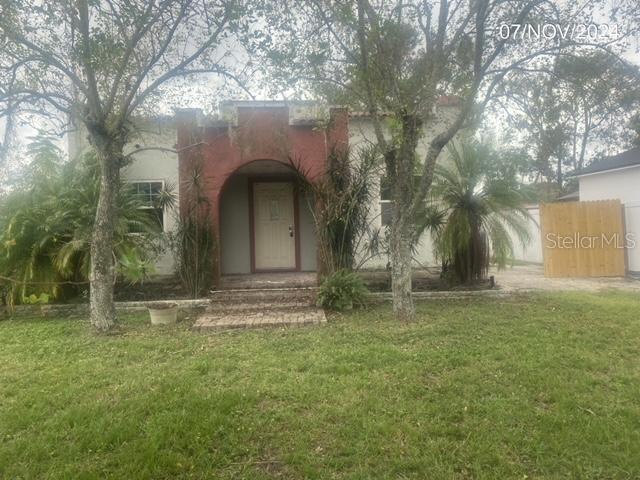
609	170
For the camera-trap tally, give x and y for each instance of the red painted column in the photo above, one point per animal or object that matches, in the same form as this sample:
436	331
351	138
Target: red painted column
192	162
338	130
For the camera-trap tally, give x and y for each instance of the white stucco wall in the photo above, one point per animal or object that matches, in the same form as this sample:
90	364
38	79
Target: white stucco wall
362	135
149	165
622	184
155	166
235	246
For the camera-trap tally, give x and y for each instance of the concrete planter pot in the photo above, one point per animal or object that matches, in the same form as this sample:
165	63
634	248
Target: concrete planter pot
163	314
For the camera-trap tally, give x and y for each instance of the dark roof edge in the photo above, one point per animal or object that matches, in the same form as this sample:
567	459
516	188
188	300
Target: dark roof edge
627	159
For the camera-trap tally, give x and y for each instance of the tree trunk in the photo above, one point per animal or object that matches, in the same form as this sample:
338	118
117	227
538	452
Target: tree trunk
103	269
400	165
400	246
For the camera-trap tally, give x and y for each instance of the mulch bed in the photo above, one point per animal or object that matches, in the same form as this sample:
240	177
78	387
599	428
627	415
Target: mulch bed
423	281
162	289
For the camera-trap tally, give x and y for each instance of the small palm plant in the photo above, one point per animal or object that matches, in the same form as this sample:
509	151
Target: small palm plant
481	214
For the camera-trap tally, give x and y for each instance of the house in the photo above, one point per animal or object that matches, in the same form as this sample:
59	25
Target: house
245	156
617	177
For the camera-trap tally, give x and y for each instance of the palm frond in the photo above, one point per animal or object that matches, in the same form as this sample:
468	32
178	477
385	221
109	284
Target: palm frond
46	224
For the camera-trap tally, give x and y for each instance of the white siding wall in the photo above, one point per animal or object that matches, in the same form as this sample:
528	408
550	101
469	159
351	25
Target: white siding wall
623	184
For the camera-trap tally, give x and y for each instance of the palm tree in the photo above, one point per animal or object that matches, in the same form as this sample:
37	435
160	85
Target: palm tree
480	213
46	224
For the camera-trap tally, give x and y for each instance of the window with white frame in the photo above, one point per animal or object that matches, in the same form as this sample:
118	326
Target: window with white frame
386	199
149	192
386	203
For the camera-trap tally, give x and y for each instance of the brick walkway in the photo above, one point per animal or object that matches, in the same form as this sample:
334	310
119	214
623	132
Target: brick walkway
262	319
253	308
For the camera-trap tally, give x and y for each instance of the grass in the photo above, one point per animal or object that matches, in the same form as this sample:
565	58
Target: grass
531	387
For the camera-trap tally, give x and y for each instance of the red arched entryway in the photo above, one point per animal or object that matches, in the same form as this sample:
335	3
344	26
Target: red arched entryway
259	132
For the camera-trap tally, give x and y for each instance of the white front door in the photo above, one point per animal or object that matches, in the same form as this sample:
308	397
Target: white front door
274	226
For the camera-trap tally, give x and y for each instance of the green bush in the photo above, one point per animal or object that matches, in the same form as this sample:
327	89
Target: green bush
342	290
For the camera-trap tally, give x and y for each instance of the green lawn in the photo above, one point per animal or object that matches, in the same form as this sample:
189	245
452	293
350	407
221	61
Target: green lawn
530	387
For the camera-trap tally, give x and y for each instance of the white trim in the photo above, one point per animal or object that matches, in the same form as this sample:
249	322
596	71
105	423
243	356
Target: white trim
607	171
144	180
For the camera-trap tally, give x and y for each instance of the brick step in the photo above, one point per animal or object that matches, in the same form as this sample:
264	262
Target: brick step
228	307
267	296
261	319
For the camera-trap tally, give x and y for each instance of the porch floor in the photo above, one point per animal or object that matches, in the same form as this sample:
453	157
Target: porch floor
268	280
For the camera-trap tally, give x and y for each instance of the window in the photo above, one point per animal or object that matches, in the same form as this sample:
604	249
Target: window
385	189
386	201
386	204
149	194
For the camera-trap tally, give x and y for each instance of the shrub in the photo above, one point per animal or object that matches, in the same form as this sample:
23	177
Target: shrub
195	251
342	290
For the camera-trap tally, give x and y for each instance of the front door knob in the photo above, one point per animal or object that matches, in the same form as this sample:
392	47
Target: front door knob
290	231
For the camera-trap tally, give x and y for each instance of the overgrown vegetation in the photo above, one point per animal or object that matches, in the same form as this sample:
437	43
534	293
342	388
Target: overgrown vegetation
194	241
475	211
342	290
46	224
98	66
341	208
529	387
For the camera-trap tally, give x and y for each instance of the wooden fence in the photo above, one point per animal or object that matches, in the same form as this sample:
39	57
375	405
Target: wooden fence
583	239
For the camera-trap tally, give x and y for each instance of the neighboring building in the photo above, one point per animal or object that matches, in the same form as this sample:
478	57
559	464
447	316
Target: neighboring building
262	222
532	251
617	177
